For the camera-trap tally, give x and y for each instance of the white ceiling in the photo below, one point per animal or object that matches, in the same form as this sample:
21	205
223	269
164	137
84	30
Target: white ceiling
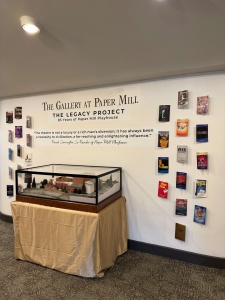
87	43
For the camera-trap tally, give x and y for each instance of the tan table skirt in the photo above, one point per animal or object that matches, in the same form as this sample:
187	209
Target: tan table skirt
73	242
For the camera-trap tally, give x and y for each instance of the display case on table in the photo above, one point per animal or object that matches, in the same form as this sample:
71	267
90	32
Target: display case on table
78	187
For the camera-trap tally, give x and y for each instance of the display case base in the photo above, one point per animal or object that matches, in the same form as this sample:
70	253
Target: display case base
70	205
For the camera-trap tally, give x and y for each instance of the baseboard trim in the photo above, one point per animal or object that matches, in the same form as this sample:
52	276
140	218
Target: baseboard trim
6	218
190	257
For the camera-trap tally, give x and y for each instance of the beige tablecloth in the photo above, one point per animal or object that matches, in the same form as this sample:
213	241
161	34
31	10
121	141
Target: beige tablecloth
73	242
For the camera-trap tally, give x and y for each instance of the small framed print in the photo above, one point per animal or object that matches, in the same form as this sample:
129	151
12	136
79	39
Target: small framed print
182	127
183	101
10	173
163	165
163	139
202	133
18	150
164	113
28	121
18	112
10	136
18	131
9	117
28	138
202	105
202	160
28	159
9	189
10	153
180	232
200	214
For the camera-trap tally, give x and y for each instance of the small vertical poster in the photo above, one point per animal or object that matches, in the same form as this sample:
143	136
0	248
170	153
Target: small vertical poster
202	160
28	138
163	164
10	153
181	180
200	214
9	117
183	99
200	188
163	188
202	133
9	189
28	159
180	232
164	113
10	173
182	127
181	207
10	136
18	112
163	139
18	150
18	131
28	122
202	105
182	154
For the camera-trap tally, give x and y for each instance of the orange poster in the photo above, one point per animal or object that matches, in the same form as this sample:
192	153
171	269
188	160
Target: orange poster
182	127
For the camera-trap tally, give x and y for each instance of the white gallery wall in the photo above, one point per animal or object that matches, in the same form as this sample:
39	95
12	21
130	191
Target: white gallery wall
64	131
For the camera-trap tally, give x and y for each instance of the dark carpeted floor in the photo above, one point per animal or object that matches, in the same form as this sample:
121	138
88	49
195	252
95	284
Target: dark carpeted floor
135	275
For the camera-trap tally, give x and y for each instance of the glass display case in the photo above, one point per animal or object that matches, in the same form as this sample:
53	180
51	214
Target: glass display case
86	188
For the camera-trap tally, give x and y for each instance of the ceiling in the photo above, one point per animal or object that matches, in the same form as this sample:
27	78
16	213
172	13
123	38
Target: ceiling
90	43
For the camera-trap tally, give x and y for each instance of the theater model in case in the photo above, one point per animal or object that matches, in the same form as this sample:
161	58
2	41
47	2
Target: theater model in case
78	187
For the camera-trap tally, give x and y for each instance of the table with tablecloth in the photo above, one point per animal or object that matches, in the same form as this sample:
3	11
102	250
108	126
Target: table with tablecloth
71	241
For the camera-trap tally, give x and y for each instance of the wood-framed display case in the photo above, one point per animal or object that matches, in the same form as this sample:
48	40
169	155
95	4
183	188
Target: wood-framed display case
77	187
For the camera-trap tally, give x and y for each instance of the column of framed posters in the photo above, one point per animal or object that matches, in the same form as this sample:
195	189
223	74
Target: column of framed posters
18	150
181	150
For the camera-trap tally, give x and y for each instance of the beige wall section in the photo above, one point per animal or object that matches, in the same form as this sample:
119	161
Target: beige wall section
150	219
